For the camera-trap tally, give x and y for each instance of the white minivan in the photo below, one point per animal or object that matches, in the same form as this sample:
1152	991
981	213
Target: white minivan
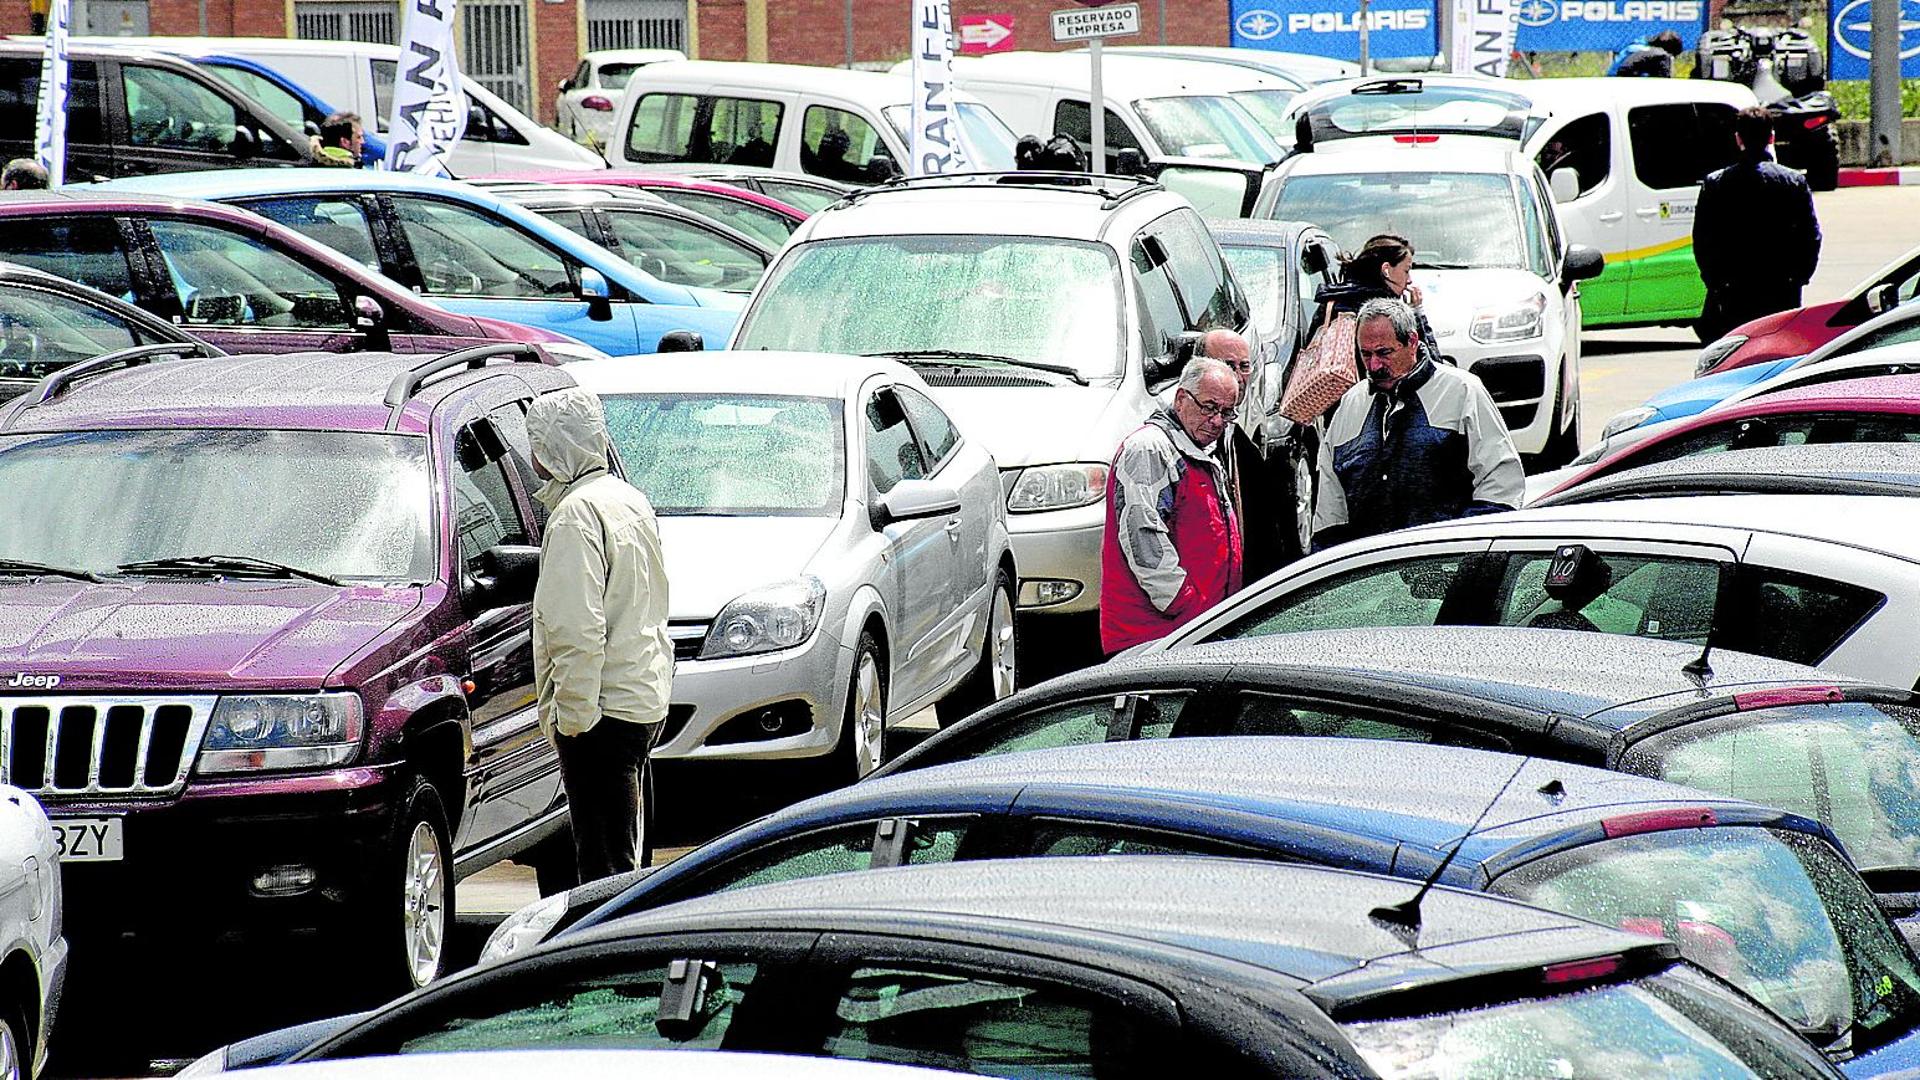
358	77
846	126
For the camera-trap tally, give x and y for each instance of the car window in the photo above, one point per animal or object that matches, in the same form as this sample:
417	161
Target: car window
705	129
1677	145
339	223
87	249
1853	766
1161	319
1778	913
1003	1026
283	105
20	99
1894	332
1262	273
1586	146
1534	222
1199	272
510	420
167	110
619	1009
1073	723
685	253
224	278
937	434
485	513
751	455
839	850
1658	596
803	197
1794	429
1074	119
840	145
1407	592
892	453
1796	616
461	251
765	224
1274	714
485	125
1051	837
41	331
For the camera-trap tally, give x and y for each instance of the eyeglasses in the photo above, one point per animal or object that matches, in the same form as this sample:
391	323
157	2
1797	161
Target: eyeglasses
1218	412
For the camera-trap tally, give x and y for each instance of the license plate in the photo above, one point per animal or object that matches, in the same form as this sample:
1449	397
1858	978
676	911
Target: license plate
89	839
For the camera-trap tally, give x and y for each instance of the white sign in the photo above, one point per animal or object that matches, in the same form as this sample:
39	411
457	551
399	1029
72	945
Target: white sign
1483	33
50	129
1080	24
429	106
935	143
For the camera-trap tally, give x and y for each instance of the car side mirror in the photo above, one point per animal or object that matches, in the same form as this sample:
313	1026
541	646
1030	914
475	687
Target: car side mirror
1883	297
566	84
597	293
1583	262
310	128
1313	259
508	573
1565	184
371	320
681	341
911	500
882	168
245	143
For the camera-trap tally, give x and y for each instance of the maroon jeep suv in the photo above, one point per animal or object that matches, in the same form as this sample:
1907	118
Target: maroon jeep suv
266	641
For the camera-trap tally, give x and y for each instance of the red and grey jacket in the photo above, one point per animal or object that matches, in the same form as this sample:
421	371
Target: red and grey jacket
1172	545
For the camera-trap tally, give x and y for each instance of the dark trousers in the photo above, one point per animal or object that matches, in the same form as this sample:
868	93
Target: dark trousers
603	771
1728	305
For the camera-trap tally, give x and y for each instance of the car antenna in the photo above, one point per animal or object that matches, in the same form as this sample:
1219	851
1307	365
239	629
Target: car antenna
1403	919
1700	668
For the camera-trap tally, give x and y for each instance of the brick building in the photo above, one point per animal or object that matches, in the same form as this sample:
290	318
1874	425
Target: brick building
520	49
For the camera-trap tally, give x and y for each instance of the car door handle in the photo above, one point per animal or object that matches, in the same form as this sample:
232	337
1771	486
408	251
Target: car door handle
1646	211
953	528
1611	216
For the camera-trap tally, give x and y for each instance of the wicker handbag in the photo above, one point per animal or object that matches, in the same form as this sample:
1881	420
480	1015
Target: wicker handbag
1325	369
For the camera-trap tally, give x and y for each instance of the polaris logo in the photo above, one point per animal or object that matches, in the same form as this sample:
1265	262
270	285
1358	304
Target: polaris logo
23	681
1348	22
1544	12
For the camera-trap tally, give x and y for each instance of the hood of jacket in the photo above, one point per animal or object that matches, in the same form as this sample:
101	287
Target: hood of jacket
568	432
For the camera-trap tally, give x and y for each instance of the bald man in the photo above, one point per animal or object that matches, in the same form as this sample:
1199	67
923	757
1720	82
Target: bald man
1262	510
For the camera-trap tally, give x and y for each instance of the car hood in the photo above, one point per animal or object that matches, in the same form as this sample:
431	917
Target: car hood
1043	425
1450	298
1696	396
190	634
712	560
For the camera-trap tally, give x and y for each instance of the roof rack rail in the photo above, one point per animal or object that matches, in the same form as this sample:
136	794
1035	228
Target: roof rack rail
63	379
407	383
1113	187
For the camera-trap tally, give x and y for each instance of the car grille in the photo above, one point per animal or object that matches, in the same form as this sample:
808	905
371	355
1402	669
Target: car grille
1513	378
58	747
687	639
933	377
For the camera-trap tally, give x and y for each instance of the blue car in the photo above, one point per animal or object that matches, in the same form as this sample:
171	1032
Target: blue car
302	109
1682	400
468	251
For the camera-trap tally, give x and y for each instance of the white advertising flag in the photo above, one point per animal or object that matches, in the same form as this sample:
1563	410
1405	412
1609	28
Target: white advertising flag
429	107
1483	36
50	131
935	144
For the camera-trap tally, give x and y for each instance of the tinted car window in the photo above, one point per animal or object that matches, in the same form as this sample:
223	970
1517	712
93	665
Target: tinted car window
339	223
1585	146
766	225
1795	616
41	331
84	249
461	251
20	100
170	111
1406	592
1852	766
224	278
485	125
1273	714
1051	838
1645	596
1676	146
705	129
835	851
938	436
1777	913
283	105
1074	119
838	145
1073	723
685	253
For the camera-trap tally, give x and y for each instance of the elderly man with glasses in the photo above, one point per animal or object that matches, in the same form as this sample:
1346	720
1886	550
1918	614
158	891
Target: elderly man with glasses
1412	443
1172	543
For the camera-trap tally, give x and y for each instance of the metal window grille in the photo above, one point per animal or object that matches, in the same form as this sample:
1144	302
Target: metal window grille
376	21
636	24
494	38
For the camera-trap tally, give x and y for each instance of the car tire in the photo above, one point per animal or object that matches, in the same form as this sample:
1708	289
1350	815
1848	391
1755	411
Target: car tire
406	910
1563	445
1298	474
863	727
997	674
16	1045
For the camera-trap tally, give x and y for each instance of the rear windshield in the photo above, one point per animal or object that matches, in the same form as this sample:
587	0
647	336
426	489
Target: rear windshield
1207	126
346	504
731	454
1463	221
1775	912
1676	1023
1453	109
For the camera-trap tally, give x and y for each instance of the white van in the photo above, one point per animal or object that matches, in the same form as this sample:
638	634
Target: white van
848	126
358	77
1164	108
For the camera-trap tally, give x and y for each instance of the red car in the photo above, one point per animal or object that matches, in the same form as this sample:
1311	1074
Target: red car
1878	409
762	217
1799	332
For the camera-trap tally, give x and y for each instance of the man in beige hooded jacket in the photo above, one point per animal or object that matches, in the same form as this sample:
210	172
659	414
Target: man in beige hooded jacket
602	662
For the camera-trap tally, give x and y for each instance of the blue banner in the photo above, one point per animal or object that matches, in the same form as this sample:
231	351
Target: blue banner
1850	34
1395	28
1604	25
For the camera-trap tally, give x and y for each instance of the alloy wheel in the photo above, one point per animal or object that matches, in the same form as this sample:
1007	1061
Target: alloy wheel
425	893
1000	649
869	716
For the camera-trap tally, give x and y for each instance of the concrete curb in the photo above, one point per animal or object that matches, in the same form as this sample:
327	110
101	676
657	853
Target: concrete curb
1880	177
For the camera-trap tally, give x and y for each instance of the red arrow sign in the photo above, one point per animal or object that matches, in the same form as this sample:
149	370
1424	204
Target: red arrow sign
985	34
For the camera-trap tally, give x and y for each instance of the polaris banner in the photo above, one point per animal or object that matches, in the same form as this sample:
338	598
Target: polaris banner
1603	25
935	144
1395	28
429	105
1850	37
50	128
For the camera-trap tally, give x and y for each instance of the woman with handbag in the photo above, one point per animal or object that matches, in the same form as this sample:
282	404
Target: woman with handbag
1383	268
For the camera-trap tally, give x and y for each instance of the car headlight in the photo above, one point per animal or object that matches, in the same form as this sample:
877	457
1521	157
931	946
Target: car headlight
765	620
1711	356
1057	487
525	928
280	731
1516	323
1628	420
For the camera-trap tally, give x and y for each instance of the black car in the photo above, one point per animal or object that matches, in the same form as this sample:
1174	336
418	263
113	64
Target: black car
1083	968
48	322
1836	749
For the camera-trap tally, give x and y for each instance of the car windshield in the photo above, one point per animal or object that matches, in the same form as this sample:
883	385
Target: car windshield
987	136
1777	913
744	455
1676	1023
1455	220
347	504
1207	126
1269	110
1033	299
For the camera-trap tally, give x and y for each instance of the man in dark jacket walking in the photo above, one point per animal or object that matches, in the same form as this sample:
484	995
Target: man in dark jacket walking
1755	236
1415	442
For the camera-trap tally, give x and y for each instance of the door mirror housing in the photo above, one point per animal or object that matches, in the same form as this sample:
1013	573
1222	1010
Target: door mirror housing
597	293
1565	184
508	573
371	320
566	84
911	500
681	341
245	143
1883	297
1582	263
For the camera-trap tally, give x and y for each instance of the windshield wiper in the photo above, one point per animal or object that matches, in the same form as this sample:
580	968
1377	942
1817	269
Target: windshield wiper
238	565
1418	265
26	568
958	355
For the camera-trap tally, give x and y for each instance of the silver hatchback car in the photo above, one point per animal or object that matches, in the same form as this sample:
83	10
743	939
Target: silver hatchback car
837	550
